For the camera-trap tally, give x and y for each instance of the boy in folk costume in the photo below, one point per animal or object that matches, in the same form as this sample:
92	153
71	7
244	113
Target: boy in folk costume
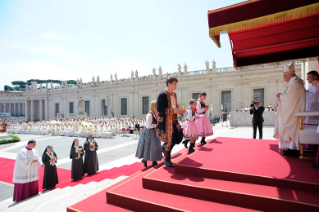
190	129
168	128
290	102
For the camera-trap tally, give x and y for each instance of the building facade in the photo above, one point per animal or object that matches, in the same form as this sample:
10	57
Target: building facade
227	89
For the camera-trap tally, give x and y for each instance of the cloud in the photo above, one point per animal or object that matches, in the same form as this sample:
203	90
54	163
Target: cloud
51	36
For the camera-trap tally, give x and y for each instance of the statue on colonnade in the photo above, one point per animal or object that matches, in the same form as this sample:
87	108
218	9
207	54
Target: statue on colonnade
154	71
207	65
185	68
179	68
160	71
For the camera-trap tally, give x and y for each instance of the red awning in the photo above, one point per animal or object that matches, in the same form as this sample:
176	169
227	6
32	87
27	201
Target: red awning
266	31
277	42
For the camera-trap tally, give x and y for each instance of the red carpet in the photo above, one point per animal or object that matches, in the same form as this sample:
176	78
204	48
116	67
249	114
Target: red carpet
227	174
248	157
64	175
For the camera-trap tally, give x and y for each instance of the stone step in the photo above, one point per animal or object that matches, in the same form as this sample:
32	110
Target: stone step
59	199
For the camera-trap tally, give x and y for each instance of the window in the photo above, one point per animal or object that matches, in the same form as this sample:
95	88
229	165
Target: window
195	95
71	107
104	108
57	109
145	105
226	101
124	106
259	94
87	107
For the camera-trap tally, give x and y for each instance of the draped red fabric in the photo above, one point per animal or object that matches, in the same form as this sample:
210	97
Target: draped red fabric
252	9
293	39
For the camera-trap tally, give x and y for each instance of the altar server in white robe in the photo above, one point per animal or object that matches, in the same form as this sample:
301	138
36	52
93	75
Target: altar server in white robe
26	172
312	97
291	101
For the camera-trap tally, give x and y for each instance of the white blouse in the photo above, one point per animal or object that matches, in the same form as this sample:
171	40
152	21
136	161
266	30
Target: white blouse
200	109
190	116
149	120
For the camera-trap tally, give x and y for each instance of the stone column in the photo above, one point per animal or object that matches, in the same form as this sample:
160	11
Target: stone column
40	110
26	110
14	109
23	108
32	110
130	109
137	104
60	107
116	106
5	107
46	112
10	107
76	106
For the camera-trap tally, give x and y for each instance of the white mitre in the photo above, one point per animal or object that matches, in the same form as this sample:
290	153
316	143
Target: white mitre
289	69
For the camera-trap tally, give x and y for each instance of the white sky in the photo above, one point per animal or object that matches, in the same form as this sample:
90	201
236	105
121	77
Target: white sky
69	39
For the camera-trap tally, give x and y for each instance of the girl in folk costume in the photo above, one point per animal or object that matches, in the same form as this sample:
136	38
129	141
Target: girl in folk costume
203	124
50	178
190	129
76	154
91	163
149	146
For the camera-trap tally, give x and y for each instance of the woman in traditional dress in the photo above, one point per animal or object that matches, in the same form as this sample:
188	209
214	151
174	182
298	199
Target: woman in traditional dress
190	129
76	154
203	124
49	159
149	146
91	163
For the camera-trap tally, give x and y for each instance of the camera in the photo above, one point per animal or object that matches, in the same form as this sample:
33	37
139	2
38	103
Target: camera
253	103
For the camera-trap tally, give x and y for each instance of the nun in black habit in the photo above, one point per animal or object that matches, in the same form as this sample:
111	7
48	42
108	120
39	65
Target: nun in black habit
76	154
49	159
91	163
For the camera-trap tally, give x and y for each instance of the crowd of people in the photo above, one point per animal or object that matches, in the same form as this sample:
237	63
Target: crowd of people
100	127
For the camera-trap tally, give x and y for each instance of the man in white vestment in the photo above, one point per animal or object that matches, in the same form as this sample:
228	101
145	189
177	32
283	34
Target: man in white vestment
26	172
312	97
315	83
291	101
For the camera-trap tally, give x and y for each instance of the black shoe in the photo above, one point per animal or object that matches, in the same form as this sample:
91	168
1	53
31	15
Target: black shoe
154	163
191	148
285	152
290	152
145	162
168	161
203	142
185	142
315	165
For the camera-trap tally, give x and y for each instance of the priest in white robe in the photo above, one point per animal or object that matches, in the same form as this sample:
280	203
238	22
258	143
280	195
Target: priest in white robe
26	172
312	97
291	101
315	83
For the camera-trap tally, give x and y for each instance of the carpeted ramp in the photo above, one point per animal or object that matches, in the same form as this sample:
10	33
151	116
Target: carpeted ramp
227	174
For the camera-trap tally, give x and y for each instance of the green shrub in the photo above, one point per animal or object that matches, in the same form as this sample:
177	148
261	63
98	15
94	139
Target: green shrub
14	138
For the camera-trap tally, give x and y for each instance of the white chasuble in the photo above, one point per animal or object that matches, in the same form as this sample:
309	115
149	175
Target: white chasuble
293	100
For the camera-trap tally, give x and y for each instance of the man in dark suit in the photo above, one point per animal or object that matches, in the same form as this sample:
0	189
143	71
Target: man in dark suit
257	110
137	126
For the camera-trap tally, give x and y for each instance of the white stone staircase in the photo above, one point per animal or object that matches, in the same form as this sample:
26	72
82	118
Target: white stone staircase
58	199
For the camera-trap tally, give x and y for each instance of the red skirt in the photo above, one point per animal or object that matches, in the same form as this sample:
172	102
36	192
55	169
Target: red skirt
25	190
